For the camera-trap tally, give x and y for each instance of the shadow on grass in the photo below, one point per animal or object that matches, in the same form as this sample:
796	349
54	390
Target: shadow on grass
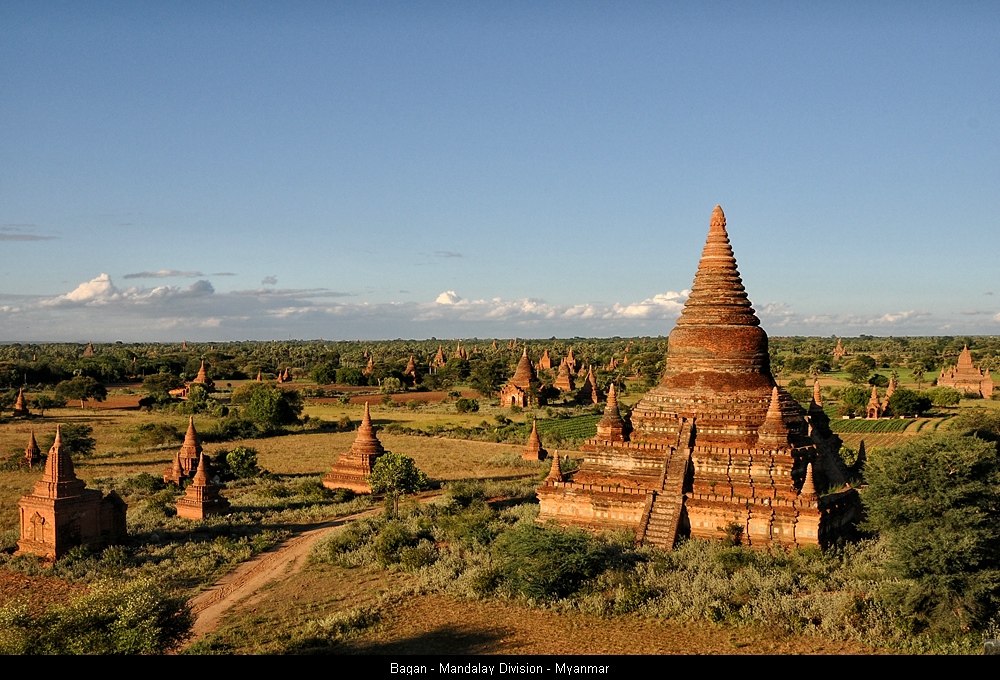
448	639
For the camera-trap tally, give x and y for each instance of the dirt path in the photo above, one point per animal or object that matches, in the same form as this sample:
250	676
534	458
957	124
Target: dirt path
245	582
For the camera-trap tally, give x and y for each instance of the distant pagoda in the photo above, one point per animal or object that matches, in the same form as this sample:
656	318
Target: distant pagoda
21	406
32	454
522	389
534	450
201	497
965	377
186	459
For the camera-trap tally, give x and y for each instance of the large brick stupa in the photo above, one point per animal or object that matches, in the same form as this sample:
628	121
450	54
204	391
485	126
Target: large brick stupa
717	448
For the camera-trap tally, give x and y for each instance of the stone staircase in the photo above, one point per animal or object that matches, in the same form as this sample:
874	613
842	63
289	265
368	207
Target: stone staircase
664	514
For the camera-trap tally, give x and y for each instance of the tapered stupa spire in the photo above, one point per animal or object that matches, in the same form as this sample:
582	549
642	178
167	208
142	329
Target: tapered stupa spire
202	497
353	467
611	427
717	295
718	342
176	472
555	472
20	406
524	375
534	450
186	461
564	379
589	391
200	477
874	409
59	480
191	448
32	454
366	442
808	486
773	433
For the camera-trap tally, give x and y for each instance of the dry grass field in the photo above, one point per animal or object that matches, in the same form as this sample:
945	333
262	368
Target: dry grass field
408	620
296	454
413	623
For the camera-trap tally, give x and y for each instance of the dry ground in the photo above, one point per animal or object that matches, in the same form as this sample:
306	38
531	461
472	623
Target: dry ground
439	624
37	591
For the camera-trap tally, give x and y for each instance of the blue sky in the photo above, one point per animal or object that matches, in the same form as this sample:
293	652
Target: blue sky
219	171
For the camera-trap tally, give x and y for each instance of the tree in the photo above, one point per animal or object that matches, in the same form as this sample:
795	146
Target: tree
854	400
934	500
878	380
981	422
267	406
154	434
325	373
242	462
81	387
904	402
391	385
396	475
487	375
44	401
944	396
160	384
351	376
75	438
859	371
467	405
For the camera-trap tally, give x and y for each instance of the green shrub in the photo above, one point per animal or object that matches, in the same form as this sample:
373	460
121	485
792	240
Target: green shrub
131	617
904	402
542	563
934	501
467	405
464	493
944	396
242	462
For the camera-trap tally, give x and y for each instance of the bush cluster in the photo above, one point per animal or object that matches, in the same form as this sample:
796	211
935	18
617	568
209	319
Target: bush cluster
115	617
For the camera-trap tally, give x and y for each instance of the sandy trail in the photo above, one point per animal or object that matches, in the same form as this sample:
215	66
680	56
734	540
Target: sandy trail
246	581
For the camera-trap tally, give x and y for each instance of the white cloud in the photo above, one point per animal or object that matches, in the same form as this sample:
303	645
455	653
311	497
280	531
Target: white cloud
269	281
448	298
660	306
450	305
99	309
101	291
776	314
